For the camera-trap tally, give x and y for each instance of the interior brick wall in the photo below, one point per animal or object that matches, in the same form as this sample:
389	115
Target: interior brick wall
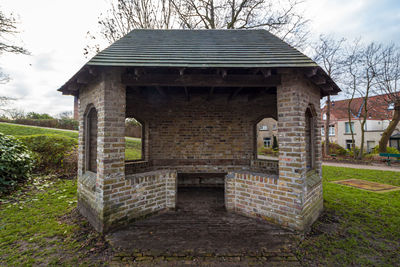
200	129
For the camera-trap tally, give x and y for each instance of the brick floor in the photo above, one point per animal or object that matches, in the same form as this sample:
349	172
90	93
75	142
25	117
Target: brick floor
201	232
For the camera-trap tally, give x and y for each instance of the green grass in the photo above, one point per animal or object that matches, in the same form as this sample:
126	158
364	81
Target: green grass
13	129
30	228
133	148
358	227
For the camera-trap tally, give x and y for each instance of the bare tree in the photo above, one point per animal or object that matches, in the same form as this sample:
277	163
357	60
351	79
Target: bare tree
4	102
126	15
351	84
7	29
16	113
388	78
329	54
362	62
369	59
283	18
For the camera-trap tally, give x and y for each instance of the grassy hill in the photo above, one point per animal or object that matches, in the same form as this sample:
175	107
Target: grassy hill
133	148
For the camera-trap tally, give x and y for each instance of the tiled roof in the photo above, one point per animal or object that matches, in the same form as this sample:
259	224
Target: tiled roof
201	48
378	108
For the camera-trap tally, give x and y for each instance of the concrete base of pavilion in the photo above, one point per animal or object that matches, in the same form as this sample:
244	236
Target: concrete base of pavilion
202	230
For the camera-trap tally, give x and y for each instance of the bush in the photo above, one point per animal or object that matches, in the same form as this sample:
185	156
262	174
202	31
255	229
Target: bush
53	152
16	162
38	116
335	149
275	145
390	150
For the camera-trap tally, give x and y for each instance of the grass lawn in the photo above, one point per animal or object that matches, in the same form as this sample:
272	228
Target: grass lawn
39	225
133	147
358	227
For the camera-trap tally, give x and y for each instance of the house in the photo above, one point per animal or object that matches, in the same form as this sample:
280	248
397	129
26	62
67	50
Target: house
199	95
380	112
267	128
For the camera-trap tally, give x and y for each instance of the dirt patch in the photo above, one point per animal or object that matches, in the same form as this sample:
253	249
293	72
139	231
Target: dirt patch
367	185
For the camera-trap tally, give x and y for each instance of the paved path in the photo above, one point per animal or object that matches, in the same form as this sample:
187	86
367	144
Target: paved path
360	166
201	228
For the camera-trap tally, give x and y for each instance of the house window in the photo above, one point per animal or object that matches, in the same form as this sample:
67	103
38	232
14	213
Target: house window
267	142
331	130
347	127
263	128
349	144
310	138
370	146
91	140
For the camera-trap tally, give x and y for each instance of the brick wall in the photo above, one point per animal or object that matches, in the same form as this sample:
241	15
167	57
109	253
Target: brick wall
294	197
143	194
198	129
200	135
108	198
294	96
259	195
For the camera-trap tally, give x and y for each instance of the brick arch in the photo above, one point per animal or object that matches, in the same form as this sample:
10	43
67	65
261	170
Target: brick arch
90	138
310	116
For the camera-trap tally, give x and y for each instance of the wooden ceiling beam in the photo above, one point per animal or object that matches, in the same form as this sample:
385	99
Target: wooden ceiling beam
201	80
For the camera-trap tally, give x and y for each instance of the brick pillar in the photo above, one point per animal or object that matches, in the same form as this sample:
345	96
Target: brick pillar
98	196
293	97
111	147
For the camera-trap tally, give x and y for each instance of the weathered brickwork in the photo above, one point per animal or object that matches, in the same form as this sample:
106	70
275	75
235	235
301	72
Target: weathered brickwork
102	195
294	197
260	195
295	95
185	131
142	194
202	135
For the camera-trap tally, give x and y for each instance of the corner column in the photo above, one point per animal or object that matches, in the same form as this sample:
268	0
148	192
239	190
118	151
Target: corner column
98	188
301	200
111	148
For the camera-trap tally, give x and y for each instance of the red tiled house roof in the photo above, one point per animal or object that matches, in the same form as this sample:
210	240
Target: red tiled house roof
378	108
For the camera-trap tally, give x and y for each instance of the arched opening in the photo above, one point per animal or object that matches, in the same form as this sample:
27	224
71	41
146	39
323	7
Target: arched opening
133	139
310	126
91	140
267	139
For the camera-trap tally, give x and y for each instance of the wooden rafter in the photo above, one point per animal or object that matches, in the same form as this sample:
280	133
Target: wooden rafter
201	80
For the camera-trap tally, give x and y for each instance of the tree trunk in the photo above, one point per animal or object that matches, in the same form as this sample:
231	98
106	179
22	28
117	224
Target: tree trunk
327	122
389	130
361	152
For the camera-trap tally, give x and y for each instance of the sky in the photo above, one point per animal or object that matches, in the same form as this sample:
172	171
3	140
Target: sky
55	32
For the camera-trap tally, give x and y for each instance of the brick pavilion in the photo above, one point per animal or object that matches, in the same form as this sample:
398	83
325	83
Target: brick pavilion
199	95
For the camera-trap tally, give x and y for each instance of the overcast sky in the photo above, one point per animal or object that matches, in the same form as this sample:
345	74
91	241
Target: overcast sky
54	31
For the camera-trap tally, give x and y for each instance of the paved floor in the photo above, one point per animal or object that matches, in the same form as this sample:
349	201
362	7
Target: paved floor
202	228
360	166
